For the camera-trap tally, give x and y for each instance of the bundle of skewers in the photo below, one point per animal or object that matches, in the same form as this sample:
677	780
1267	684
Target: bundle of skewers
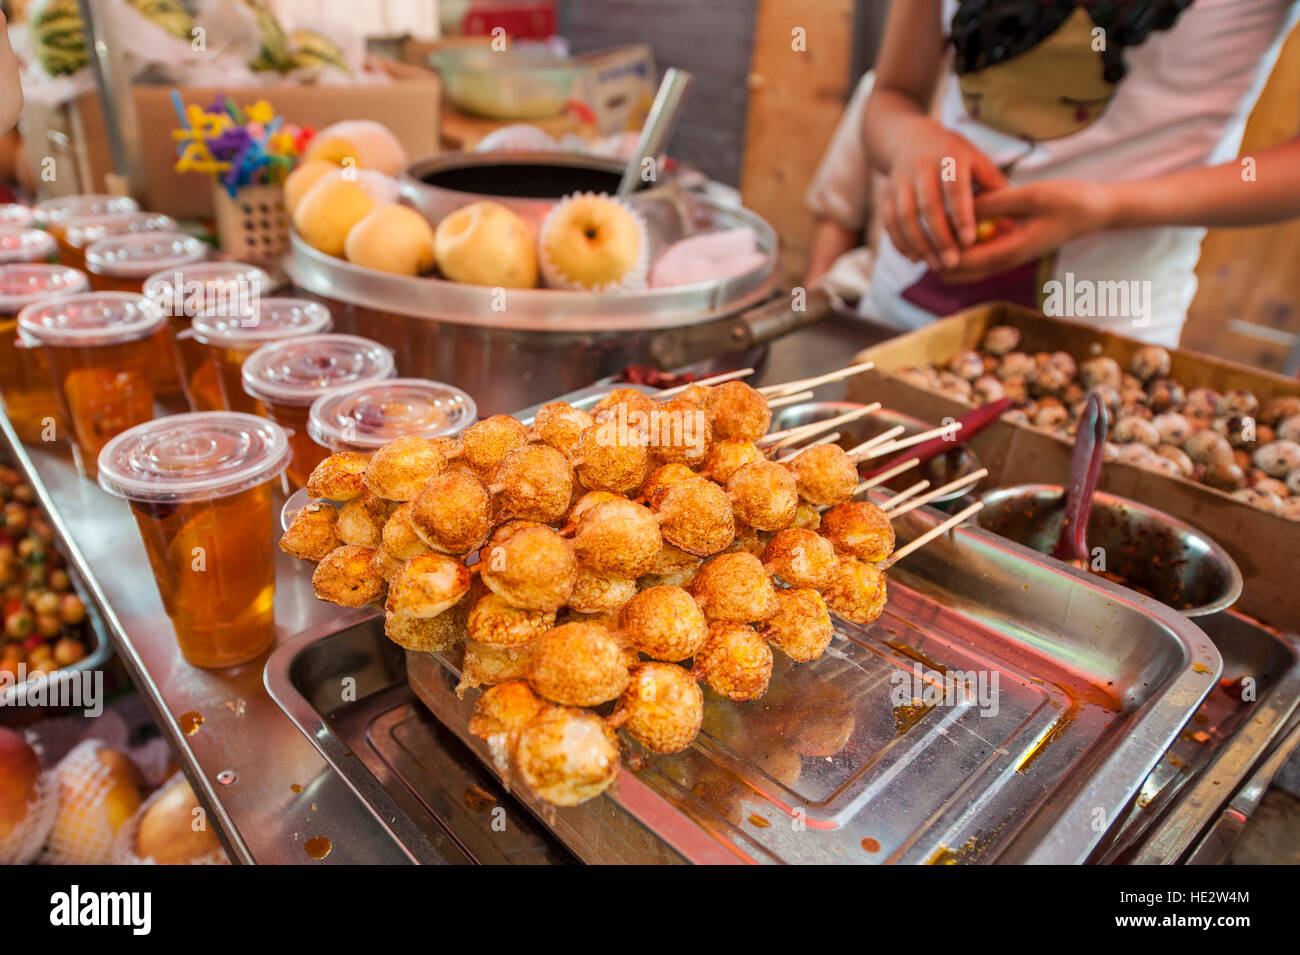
621	556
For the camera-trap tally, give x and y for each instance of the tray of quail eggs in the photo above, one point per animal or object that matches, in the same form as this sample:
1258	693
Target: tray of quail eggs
1225	440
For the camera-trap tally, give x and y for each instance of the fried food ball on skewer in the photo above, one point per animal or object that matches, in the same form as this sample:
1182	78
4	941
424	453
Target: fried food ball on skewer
859	529
662	707
672	567
589	500
486	665
618	538
385	564
533	483
399	470
660	479
361	521
800	557
734	587
696	516
764	495
727	457
559	425
737	411
824	475
637	407
802	626
567	756
532	568
344	577
735	661
858	592
578	664
452	513
594	592
749	540
807	516
310	535
500	713
400	540
664	623
680	432
340	477
427	585
606	463
496	623
486	442
428	634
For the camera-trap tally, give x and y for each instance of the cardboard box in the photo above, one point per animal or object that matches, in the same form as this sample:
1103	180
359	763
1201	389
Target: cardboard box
1266	547
409	107
619	86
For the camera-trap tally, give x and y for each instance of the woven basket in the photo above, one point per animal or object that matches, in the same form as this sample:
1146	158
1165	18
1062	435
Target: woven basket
254	225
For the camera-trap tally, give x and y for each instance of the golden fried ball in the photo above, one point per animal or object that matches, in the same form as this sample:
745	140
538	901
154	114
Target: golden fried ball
428	634
696	394
618	538
589	500
344	577
496	623
662	707
734	587
385	564
399	470
400	541
673	567
696	516
664	623
680	432
533	483
735	661
808	516
824	475
802	626
532	568
340	477
500	713
661	477
738	411
427	585
578	664
486	442
567	756
451	514
311	533
448	445
859	529
764	495
750	540
610	461
800	557
637	407
486	665
727	457
594	592
361	521
858	591
559	425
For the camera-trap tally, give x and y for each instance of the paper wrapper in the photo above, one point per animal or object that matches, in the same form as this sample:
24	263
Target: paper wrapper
24	844
633	280
124	843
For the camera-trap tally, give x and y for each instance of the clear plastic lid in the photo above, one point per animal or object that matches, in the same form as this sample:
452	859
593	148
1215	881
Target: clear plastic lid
369	414
22	285
299	370
82	231
15	213
272	320
58	210
19	244
90	318
140	254
209	288
193	457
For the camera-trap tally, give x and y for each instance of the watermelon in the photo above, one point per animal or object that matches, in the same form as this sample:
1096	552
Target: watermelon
57	36
315	49
169	15
275	45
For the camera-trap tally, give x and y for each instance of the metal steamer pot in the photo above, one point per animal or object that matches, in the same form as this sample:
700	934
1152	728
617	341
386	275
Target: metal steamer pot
515	348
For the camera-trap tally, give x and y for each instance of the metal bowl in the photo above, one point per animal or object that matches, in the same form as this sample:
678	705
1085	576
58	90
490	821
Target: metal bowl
1142	548
940	470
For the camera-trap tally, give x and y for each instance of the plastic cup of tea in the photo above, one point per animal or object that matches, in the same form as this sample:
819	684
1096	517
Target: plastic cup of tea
101	349
26	387
83	231
288	377
367	415
23	244
53	214
226	341
199	485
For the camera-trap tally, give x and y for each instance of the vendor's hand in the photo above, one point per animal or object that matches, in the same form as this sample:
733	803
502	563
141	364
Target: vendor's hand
929	205
1033	220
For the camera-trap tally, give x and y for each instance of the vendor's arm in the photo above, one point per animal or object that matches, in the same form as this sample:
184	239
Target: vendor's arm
830	240
1040	217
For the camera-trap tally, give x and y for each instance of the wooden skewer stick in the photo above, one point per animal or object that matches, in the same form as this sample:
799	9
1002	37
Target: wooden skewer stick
715	380
939	492
824	439
885	437
884	476
903	495
789	436
931	534
805	383
881	450
790	399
